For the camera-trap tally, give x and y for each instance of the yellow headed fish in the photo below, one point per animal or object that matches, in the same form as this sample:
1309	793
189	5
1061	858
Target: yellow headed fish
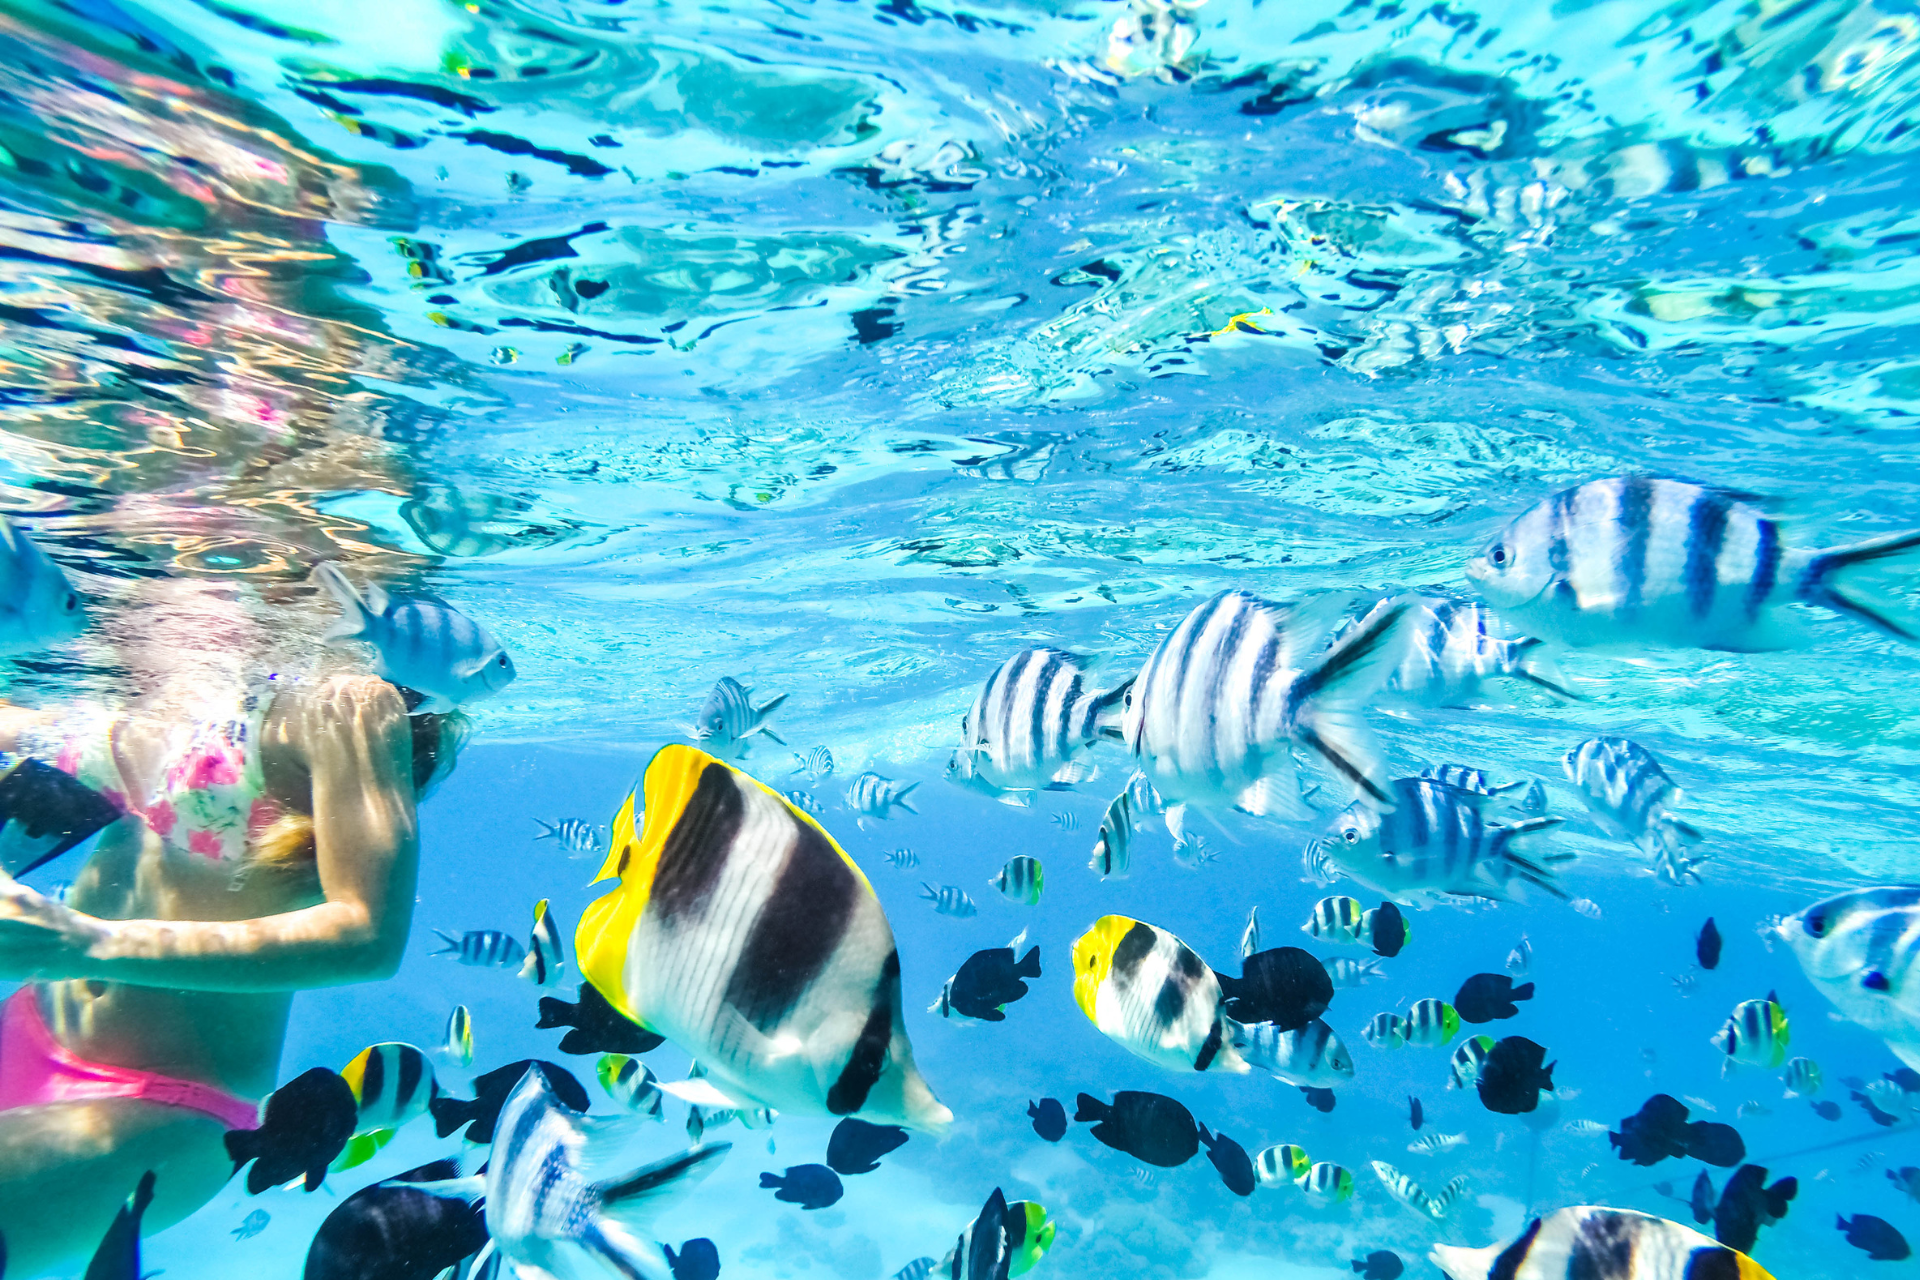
1029	1235
1147	990
741	931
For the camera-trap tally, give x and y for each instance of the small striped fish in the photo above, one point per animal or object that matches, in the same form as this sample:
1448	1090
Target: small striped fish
872	796
1281	1166
1250	937
1409	1193
1335	921
38	606
486	947
1193	852
949	900
1587	907
1463	1068
1453	647
572	834
1346	973
1586	1128
1034	714
1520	959
918	1269
1432	1022
1436	839
1632	796
1527	796
1328	1181
458	1042
1802	1078
728	719
816	764
1641	560
546	961
632	1084
1218	706
423	644
904	859
1386	1031
804	802
1435	1144
1067	820
1756	1033
1021	880
1310	1058
1110	850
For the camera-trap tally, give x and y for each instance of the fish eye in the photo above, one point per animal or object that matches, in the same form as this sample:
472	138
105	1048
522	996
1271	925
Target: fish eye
1350	835
71	603
503	660
1497	555
1815	923
1874	980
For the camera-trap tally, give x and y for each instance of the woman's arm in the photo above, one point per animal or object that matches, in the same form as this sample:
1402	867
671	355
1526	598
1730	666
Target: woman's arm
353	737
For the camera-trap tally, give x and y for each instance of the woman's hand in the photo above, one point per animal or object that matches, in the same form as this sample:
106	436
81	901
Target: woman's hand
40	939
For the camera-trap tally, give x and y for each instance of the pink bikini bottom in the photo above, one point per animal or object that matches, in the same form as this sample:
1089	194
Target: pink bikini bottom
36	1069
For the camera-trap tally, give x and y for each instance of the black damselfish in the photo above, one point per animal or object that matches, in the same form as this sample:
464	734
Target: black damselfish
391	1231
1231	1160
856	1146
1706	947
698	1259
1660	1130
597	1026
490	1094
1285	986
1512	1077
1321	1100
1747	1204
1147	1126
46	812
307	1123
1049	1118
1487	996
1416	1115
1878	1237
1388	935
811	1186
1379	1265
989	980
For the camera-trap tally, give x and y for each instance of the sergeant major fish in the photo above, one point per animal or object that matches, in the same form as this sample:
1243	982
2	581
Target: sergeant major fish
571	834
1455	646
949	900
728	719
743	933
1641	560
1219	704
458	1042
1020	880
872	796
484	948
545	960
1633	797
1032	718
1755	1033
1110	850
1310	1057
1282	1165
632	1084
1437	839
423	644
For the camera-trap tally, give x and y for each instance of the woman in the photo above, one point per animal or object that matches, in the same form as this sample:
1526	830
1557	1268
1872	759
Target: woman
263	852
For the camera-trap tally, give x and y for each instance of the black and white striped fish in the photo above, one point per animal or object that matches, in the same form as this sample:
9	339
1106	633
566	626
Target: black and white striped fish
1021	880
1110	850
1154	996
918	1269
458	1043
744	934
1588	1241
1642	560
1033	716
488	948
816	764
392	1084
541	1211
632	1084
1454	647
1437	839
1409	1193
804	802
1348	973
424	644
728	719
949	900
1633	797
903	859
546	961
872	796
1527	796
573	835
1066	820
1311	1057
1219	704
984	1249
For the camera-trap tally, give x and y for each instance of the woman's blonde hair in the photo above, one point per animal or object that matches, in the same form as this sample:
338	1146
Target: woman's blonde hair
286	844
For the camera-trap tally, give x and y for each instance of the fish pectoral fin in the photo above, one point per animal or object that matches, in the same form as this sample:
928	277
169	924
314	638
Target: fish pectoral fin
635	1200
1074	771
701	1093
1275	793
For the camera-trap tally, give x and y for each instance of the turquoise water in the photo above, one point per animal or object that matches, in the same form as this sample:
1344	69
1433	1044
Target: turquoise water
848	348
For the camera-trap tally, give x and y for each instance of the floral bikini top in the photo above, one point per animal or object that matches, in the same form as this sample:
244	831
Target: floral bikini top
210	799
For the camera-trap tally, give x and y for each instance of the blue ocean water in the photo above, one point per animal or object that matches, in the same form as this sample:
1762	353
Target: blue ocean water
847	348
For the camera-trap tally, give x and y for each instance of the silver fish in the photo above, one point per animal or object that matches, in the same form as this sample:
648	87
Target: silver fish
872	796
1526	796
423	644
1346	973
1217	708
1032	717
542	1213
804	802
1110	850
1455	646
572	834
816	764
1641	560
1435	1144
1587	907
1437	839
1858	949
38	606
488	948
1194	852
918	1269
949	900
1409	1193
728	719
1067	820
1632	795
1310	1057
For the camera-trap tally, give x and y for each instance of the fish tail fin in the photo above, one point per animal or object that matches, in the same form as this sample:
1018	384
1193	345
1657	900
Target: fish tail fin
1527	869
1522	992
548	830
352	623
1330	696
448	1114
1820	582
452	947
555	1012
1533	663
1029	966
1087	1107
243	1145
900	798
634	1200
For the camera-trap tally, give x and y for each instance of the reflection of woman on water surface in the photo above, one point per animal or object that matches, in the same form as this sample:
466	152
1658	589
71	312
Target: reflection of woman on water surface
269	845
